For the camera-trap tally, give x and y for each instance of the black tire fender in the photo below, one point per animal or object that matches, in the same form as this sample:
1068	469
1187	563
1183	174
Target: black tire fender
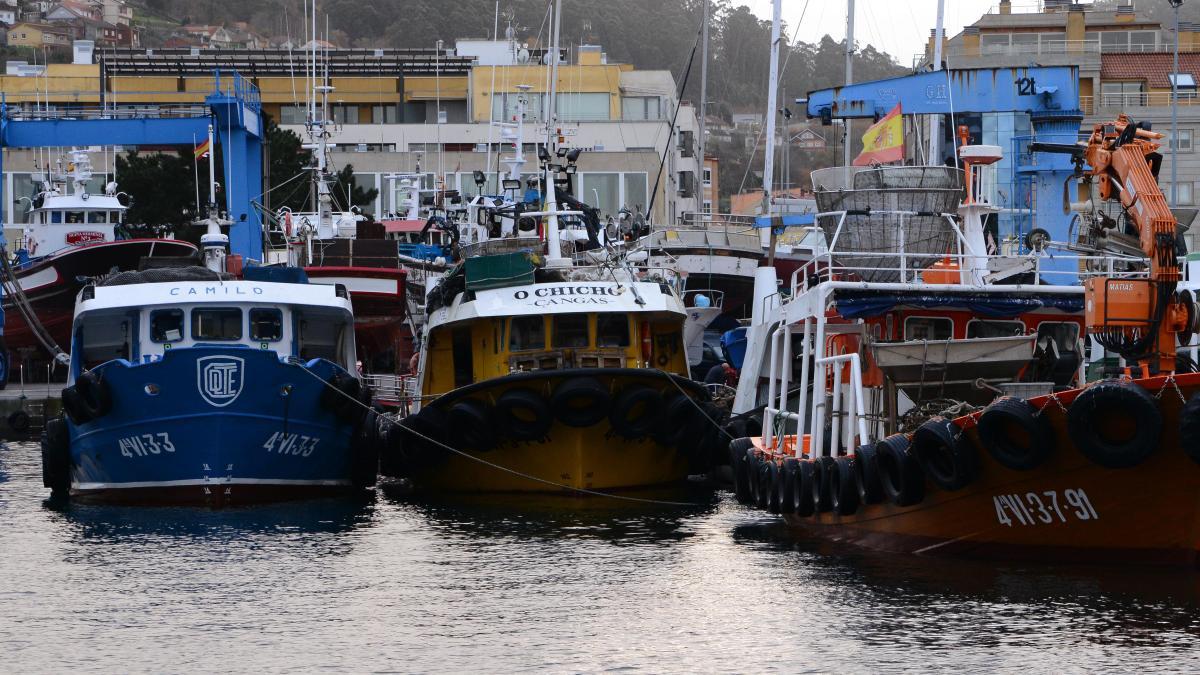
470	426
1014	434
752	467
738	463
634	413
678	415
94	396
56	456
843	487
580	402
804	487
822	467
73	406
947	458
866	475
1105	401
788	487
523	414
899	472
365	454
18	421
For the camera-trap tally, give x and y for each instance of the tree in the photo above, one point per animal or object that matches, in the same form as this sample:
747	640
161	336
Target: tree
162	187
287	160
346	184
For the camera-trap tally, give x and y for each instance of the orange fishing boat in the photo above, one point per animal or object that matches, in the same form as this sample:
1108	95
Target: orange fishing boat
949	410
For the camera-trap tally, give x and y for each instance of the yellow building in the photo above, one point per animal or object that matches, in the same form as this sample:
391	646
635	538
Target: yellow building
38	35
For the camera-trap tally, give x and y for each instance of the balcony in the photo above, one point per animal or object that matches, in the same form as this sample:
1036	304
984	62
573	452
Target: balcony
1123	102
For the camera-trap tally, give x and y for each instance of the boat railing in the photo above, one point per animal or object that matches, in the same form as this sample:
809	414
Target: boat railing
395	390
721	222
973	267
715	298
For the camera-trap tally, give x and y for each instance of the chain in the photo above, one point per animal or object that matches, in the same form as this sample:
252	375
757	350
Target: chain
1052	398
1174	385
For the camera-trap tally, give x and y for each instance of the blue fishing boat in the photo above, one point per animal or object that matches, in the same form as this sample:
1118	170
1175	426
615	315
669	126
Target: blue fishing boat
189	386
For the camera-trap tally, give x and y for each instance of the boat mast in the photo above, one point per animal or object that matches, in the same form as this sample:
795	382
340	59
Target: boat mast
772	104
554	257
846	159
703	88
935	122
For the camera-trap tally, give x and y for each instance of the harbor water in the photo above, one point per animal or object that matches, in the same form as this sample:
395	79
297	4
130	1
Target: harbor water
393	583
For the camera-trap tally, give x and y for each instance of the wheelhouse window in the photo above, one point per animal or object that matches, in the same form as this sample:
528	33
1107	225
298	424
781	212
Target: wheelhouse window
166	325
266	324
56	217
74	217
993	329
612	330
217	323
527	333
96	217
1064	334
570	331
928	328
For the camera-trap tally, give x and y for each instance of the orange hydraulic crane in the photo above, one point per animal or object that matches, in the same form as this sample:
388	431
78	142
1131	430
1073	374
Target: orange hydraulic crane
1139	319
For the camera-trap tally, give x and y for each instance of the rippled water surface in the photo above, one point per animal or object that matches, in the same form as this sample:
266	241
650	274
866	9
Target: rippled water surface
392	584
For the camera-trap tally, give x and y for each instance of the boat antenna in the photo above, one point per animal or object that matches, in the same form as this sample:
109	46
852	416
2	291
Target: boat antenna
671	128
703	87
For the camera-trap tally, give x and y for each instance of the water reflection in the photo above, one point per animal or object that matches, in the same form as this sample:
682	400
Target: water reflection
658	517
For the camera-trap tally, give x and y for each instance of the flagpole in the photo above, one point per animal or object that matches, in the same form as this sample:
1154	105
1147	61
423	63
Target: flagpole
212	175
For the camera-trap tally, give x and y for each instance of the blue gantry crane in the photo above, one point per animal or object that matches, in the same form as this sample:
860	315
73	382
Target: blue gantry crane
1019	105
234	110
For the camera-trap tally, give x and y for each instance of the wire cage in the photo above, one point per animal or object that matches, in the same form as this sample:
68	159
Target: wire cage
889	210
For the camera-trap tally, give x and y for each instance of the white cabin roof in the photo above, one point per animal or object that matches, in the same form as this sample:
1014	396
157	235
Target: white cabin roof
139	296
566	297
76	202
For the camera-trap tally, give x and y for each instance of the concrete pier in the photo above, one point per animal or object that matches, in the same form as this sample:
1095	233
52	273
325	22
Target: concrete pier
38	402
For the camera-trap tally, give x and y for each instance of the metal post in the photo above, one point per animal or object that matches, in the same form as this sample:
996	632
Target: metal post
801	410
1175	110
703	91
768	415
785	375
835	431
935	122
817	420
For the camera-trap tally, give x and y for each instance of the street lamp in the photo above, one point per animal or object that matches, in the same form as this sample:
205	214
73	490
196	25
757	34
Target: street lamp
1175	107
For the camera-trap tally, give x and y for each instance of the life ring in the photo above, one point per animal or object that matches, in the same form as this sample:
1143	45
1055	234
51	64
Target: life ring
580	402
470	425
803	487
899	472
1091	417
866	475
18	421
1014	434
56	456
94	397
675	420
843	486
365	452
634	413
822	467
523	414
949	460
737	462
1189	428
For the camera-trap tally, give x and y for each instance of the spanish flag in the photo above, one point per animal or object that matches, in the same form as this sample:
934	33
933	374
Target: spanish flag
203	149
884	141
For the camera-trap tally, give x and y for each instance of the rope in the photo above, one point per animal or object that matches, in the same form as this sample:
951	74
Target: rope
694	403
480	460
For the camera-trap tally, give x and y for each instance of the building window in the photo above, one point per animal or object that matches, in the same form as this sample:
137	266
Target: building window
292	114
1183	143
345	114
385	114
583	107
1183	193
707	206
638	108
990	43
505	107
707	177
